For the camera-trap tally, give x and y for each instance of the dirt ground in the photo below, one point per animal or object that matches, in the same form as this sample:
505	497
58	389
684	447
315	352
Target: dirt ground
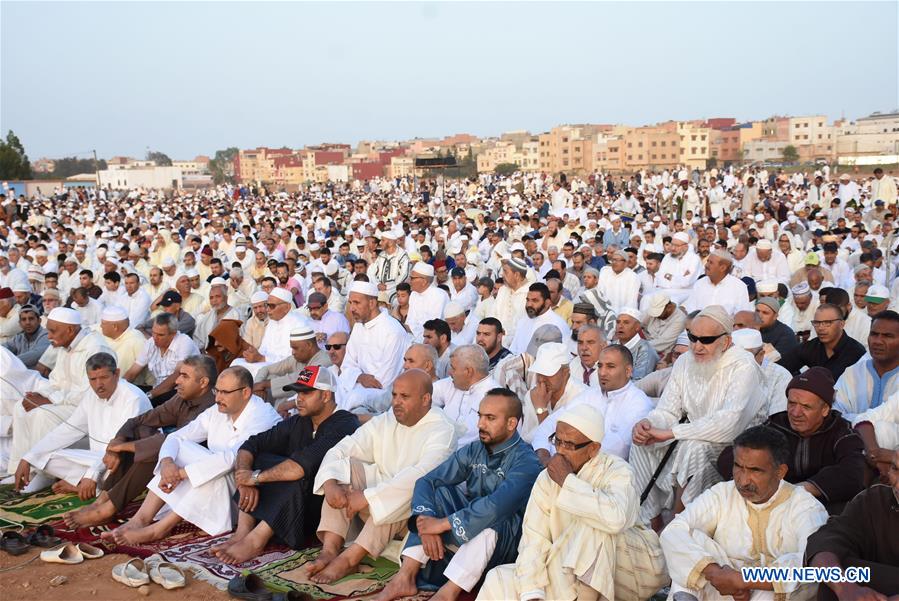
89	580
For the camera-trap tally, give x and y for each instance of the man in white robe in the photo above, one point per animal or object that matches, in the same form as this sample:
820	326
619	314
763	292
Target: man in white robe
538	309
371	474
719	287
618	282
460	394
879	430
426	301
52	400
195	482
580	536
756	520
275	344
873	378
15	379
719	387
110	402
553	387
680	269
621	403
776	377
508	306
374	353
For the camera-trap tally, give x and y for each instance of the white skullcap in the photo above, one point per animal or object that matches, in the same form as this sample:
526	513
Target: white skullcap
682	339
218	282
453	309
759	218
722	254
331	268
390	235
587	420
304	332
767	286
632	312
192	273
366	288
313	247
747	339
801	289
422	268
63	315
682	237
113	313
168	262
282	295
240	249
21	286
764	244
259	296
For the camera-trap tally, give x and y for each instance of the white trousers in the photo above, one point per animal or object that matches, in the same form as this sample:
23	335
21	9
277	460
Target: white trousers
469	561
72	465
208	506
28	427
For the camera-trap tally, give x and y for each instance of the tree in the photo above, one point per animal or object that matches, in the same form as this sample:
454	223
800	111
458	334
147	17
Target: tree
69	166
160	158
14	162
222	165
790	154
505	169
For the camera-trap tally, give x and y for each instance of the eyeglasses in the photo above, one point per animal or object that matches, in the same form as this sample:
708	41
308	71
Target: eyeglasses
334	347
566	444
271	305
217	391
825	322
705	339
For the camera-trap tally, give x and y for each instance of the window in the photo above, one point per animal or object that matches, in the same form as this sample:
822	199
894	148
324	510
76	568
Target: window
693	150
639	144
654	157
630	157
654	143
630	145
693	138
564	140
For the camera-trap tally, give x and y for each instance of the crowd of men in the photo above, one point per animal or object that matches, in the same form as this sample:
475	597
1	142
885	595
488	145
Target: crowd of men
527	387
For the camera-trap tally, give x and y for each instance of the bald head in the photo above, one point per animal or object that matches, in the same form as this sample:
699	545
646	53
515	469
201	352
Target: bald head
747	319
421	356
411	398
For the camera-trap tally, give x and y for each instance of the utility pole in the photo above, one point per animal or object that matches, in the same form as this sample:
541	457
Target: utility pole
97	170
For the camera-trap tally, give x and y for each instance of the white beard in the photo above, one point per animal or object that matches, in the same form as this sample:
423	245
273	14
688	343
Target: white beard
705	369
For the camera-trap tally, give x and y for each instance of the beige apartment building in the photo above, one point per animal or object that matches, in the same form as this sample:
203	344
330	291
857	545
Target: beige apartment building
877	133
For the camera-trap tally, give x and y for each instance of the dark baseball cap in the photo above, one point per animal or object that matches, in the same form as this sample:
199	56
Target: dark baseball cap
170	298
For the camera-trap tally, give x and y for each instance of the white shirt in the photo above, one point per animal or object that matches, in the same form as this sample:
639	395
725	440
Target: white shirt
223	437
527	326
162	365
683	271
137	305
275	343
330	323
462	406
467	297
99	418
731	293
775	268
424	306
622	289
621	408
376	348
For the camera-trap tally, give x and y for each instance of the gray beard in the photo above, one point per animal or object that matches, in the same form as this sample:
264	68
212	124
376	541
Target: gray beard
705	370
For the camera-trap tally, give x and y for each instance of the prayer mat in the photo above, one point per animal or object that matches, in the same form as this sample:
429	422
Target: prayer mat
36	508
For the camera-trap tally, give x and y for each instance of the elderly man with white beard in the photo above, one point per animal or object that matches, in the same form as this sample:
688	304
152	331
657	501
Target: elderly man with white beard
426	301
719	389
680	269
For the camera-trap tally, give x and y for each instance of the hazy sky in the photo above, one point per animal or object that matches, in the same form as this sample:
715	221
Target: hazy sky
190	78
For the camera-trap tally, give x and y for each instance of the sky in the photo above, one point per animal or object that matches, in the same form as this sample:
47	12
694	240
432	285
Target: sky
190	78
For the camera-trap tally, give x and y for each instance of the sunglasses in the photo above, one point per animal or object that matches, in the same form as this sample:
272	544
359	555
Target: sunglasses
704	339
334	347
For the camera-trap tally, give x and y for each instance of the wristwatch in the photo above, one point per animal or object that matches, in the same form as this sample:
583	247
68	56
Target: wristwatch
255	476
541	410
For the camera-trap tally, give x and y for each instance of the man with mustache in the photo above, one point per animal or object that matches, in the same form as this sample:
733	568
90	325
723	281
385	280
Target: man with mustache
719	388
733	524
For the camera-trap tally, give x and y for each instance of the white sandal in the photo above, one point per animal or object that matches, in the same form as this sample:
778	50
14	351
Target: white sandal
167	575
90	551
67	553
132	573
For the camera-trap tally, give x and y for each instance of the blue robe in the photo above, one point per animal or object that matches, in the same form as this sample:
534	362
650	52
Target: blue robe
497	487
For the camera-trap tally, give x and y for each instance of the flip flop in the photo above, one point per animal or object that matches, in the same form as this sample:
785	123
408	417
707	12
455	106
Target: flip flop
67	553
132	573
14	543
249	587
90	551
167	575
44	537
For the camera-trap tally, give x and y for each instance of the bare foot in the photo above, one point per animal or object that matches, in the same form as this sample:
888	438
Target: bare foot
400	586
321	562
131	524
95	514
61	487
137	536
448	592
246	549
336	570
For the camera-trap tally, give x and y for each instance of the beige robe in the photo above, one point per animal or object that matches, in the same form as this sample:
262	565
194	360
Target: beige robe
582	534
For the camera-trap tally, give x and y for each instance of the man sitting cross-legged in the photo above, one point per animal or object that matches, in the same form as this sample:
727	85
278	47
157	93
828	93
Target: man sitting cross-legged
580	537
132	454
275	470
101	412
457	534
372	473
194	481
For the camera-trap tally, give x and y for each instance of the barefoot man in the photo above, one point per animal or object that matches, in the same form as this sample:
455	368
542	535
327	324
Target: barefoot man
372	473
196	481
109	402
132	455
276	468
458	535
